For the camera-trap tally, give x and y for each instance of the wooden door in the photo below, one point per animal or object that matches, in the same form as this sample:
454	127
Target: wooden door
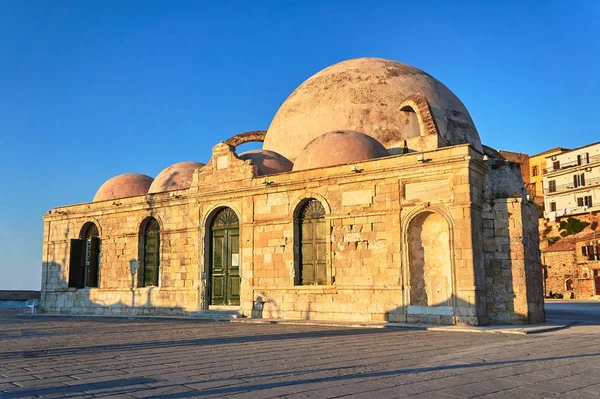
225	260
597	285
313	244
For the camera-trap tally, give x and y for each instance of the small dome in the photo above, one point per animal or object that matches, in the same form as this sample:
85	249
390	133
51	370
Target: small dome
337	148
267	162
175	177
127	185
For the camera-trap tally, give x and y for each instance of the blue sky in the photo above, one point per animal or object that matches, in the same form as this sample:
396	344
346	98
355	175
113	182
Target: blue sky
93	89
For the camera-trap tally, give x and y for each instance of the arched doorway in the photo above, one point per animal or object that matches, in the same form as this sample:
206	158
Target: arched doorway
225	259
430	262
84	268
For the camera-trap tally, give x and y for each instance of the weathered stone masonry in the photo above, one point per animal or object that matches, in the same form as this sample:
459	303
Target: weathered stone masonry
371	200
369	217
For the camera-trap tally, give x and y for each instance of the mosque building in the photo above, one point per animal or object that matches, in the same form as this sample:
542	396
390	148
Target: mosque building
372	199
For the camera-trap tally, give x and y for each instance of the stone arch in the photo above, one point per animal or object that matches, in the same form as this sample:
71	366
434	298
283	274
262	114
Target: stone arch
428	247
86	226
421	114
301	200
255	136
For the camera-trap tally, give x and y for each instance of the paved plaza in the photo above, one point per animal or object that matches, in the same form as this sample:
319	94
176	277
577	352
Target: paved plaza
98	357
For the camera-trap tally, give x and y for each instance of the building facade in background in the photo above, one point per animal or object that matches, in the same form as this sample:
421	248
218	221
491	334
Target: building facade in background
372	199
537	171
572	182
572	267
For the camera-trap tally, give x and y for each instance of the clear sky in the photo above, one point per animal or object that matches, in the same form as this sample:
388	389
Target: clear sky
93	89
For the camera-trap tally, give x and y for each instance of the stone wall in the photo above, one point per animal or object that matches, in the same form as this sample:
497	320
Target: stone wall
560	266
18	295
119	229
511	248
384	218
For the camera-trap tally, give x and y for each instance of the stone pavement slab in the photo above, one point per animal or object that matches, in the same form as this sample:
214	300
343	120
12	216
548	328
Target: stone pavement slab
180	358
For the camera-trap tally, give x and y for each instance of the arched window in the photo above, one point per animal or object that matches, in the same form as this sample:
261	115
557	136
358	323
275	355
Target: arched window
151	254
85	258
312	243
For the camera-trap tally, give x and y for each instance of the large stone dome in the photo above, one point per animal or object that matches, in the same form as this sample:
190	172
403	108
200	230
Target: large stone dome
267	162
338	148
121	186
175	177
367	95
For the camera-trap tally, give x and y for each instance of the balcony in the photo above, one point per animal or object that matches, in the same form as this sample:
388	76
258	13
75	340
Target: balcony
573	164
589	183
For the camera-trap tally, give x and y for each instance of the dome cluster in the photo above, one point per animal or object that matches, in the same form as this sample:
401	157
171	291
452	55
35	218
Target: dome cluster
353	111
175	177
368	95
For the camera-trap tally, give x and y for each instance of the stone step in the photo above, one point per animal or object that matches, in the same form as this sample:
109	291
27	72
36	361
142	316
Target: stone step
217	314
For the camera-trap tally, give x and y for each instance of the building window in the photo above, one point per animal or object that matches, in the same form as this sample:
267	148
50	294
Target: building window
569	284
532	190
553	207
579	180
85	258
535	171
583	159
592	250
151	255
552	186
556	165
312	239
587	200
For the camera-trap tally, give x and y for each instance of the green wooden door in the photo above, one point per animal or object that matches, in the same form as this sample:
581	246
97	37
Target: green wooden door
225	260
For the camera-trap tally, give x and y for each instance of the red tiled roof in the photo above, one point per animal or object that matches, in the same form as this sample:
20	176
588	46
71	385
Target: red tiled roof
563	244
568	244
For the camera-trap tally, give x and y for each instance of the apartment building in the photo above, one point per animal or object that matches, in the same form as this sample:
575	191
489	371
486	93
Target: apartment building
537	171
572	182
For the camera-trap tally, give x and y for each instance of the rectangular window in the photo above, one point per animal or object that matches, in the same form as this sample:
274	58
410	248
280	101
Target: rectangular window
579	180
587	200
583	159
590	252
584	250
556	165
580	201
534	171
553	207
552	186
